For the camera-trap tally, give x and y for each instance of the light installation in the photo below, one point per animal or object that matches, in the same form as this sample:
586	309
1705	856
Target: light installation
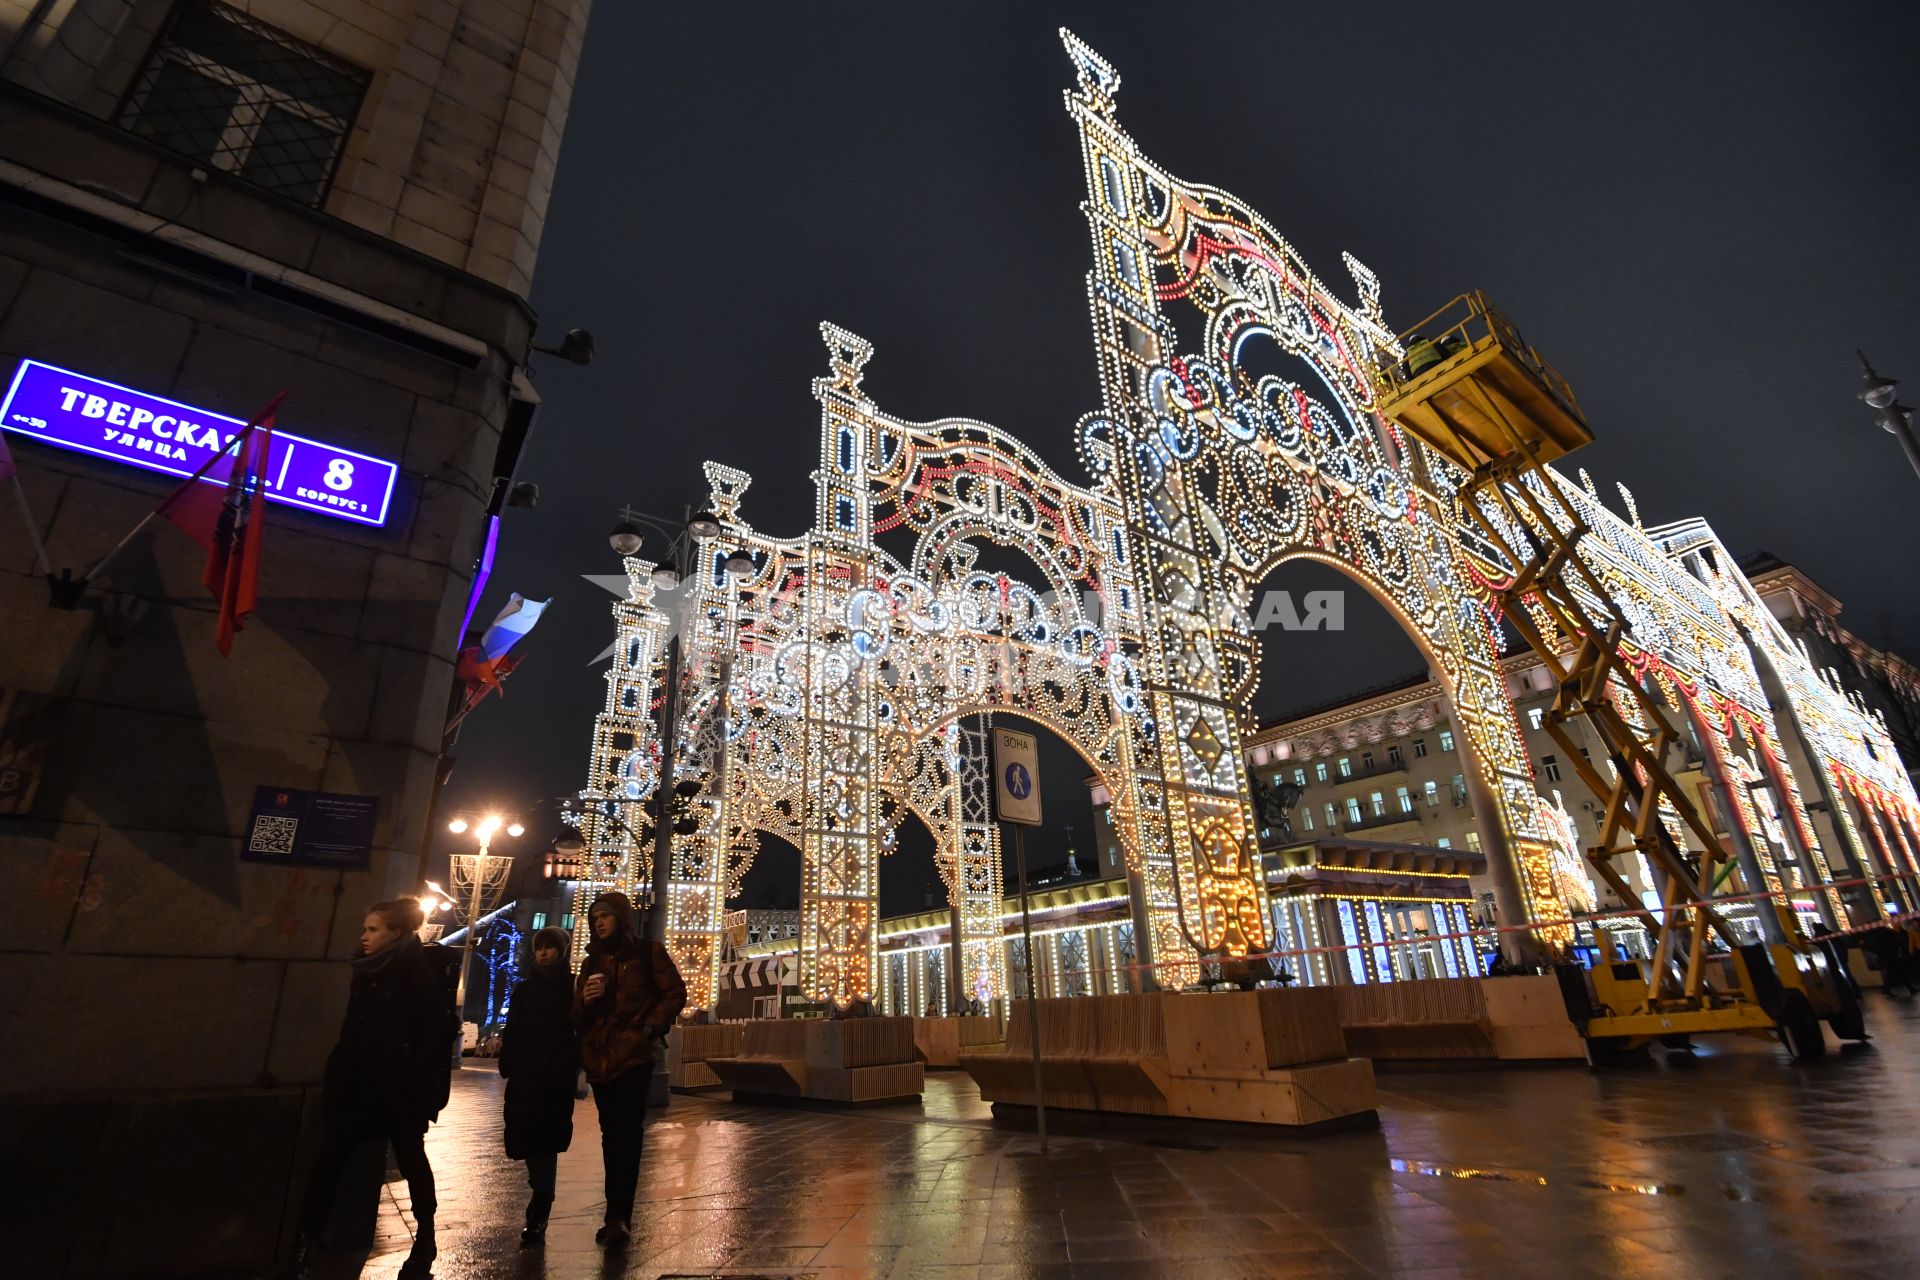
849	679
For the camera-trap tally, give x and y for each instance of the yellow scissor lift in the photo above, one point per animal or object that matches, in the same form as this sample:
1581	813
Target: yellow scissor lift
1472	389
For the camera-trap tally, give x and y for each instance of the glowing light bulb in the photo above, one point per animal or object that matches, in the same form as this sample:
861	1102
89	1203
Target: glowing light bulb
457	826
516	829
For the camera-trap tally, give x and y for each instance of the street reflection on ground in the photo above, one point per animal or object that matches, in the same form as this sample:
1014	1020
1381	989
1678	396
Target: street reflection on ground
1736	1163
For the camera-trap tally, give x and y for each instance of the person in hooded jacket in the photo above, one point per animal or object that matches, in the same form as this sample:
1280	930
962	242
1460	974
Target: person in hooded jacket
625	1001
539	1058
388	1076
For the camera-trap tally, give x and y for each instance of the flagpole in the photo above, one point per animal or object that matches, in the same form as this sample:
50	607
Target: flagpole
44	565
67	590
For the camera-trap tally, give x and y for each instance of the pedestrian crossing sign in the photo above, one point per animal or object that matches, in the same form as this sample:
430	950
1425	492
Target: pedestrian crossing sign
1016	777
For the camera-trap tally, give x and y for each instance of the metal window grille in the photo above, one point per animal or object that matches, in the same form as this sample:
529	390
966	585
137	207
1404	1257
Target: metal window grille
248	100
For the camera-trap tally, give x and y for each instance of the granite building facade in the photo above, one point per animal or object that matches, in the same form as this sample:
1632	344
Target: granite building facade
212	203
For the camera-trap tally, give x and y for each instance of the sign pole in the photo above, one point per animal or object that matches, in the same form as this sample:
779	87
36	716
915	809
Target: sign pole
1033	1007
1016	796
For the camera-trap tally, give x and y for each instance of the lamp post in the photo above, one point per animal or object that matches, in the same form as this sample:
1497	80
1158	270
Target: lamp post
1895	418
482	871
625	538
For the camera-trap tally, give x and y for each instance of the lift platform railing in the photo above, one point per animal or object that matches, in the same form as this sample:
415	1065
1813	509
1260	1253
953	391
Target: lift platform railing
1467	326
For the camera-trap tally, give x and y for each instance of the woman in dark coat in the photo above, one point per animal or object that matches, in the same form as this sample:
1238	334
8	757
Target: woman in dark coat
389	1074
539	1059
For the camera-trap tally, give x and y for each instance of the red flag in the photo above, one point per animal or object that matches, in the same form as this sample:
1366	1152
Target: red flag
229	524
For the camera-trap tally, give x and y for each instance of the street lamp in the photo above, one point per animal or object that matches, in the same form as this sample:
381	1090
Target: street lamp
1895	418
478	872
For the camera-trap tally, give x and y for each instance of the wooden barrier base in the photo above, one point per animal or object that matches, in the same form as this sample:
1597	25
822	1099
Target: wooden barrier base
689	1048
1461	1020
1267	1057
846	1061
1527	1017
939	1042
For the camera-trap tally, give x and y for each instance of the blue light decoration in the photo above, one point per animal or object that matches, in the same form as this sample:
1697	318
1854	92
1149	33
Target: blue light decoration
1382	961
72	411
502	958
1449	947
482	572
1356	962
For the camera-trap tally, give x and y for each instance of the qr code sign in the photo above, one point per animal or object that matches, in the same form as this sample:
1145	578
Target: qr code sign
272	835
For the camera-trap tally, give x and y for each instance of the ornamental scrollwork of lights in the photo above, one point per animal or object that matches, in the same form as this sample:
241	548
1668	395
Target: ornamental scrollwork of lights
849	679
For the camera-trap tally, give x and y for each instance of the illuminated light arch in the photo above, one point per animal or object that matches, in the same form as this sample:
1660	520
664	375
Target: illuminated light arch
1232	472
824	680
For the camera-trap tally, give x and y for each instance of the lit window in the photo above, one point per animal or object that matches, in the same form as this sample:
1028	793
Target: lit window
1393	753
1306	819
1446	739
1353	810
1433	795
1346	767
1406	800
1443	843
1419	748
246	99
539	921
1330	818
1320	771
1299	777
1550	767
1379	803
1533	716
1473	841
1459	789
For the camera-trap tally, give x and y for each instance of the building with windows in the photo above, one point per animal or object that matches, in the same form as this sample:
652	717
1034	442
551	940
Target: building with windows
204	204
1880	678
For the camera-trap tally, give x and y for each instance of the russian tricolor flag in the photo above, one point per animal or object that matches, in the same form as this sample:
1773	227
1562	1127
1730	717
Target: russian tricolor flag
482	666
514	622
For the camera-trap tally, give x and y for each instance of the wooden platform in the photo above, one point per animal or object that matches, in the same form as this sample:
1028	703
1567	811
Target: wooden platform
1521	1018
824	1060
689	1048
1260	1057
939	1042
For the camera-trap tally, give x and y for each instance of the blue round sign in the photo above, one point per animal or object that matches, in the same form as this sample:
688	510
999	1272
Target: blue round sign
1019	781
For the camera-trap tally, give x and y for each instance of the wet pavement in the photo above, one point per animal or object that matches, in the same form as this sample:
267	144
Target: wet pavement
1734	1164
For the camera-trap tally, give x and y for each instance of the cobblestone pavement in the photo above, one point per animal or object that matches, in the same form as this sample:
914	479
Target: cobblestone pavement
1737	1164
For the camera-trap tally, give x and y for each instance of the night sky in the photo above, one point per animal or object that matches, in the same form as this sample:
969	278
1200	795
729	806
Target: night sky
1696	211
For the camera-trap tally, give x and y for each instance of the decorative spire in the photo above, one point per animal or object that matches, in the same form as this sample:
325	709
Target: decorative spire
725	485
1099	82
1633	508
848	353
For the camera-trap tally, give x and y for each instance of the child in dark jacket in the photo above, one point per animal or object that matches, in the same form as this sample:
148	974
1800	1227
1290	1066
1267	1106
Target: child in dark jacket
539	1059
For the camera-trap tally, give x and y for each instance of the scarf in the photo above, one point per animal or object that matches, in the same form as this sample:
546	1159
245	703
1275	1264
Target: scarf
378	963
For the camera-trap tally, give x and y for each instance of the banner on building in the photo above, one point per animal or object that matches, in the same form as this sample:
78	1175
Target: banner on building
294	828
